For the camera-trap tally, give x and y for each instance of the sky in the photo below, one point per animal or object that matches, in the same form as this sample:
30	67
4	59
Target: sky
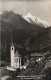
38	8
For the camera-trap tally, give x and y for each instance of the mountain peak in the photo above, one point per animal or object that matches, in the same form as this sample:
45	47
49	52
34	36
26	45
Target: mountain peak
32	19
29	15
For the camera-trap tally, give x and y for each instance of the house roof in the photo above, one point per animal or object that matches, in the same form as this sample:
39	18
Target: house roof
48	64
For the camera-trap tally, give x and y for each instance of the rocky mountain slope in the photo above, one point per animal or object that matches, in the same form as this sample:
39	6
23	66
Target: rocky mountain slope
32	19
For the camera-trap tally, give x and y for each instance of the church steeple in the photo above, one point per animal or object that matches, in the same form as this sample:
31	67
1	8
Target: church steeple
11	38
15	57
12	51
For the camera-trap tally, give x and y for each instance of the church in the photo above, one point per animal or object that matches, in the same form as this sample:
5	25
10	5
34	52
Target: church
15	57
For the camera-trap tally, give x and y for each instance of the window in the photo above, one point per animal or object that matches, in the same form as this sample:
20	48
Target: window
16	59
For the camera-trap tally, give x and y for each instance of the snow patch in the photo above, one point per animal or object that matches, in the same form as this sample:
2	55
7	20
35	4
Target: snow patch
32	19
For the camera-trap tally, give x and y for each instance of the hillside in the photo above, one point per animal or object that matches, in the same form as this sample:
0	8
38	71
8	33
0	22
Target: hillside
42	42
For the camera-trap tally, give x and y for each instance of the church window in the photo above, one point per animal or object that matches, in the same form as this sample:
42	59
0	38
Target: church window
19	60
16	59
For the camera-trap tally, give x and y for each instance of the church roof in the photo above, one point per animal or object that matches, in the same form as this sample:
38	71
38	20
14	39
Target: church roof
17	54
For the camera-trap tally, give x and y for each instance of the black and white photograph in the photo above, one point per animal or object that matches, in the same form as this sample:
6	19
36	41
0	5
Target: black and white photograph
25	39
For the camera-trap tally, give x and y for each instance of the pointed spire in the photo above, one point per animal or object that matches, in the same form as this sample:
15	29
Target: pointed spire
11	38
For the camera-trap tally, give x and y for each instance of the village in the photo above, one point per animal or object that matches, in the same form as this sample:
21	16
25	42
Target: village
33	62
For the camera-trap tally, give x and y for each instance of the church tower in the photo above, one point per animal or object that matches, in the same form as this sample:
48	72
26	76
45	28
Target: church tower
15	57
12	51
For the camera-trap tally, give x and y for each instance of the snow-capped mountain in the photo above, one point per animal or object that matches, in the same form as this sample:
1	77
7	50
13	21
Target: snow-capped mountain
32	19
27	31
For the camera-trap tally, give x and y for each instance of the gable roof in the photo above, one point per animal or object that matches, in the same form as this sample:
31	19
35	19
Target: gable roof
17	54
48	64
